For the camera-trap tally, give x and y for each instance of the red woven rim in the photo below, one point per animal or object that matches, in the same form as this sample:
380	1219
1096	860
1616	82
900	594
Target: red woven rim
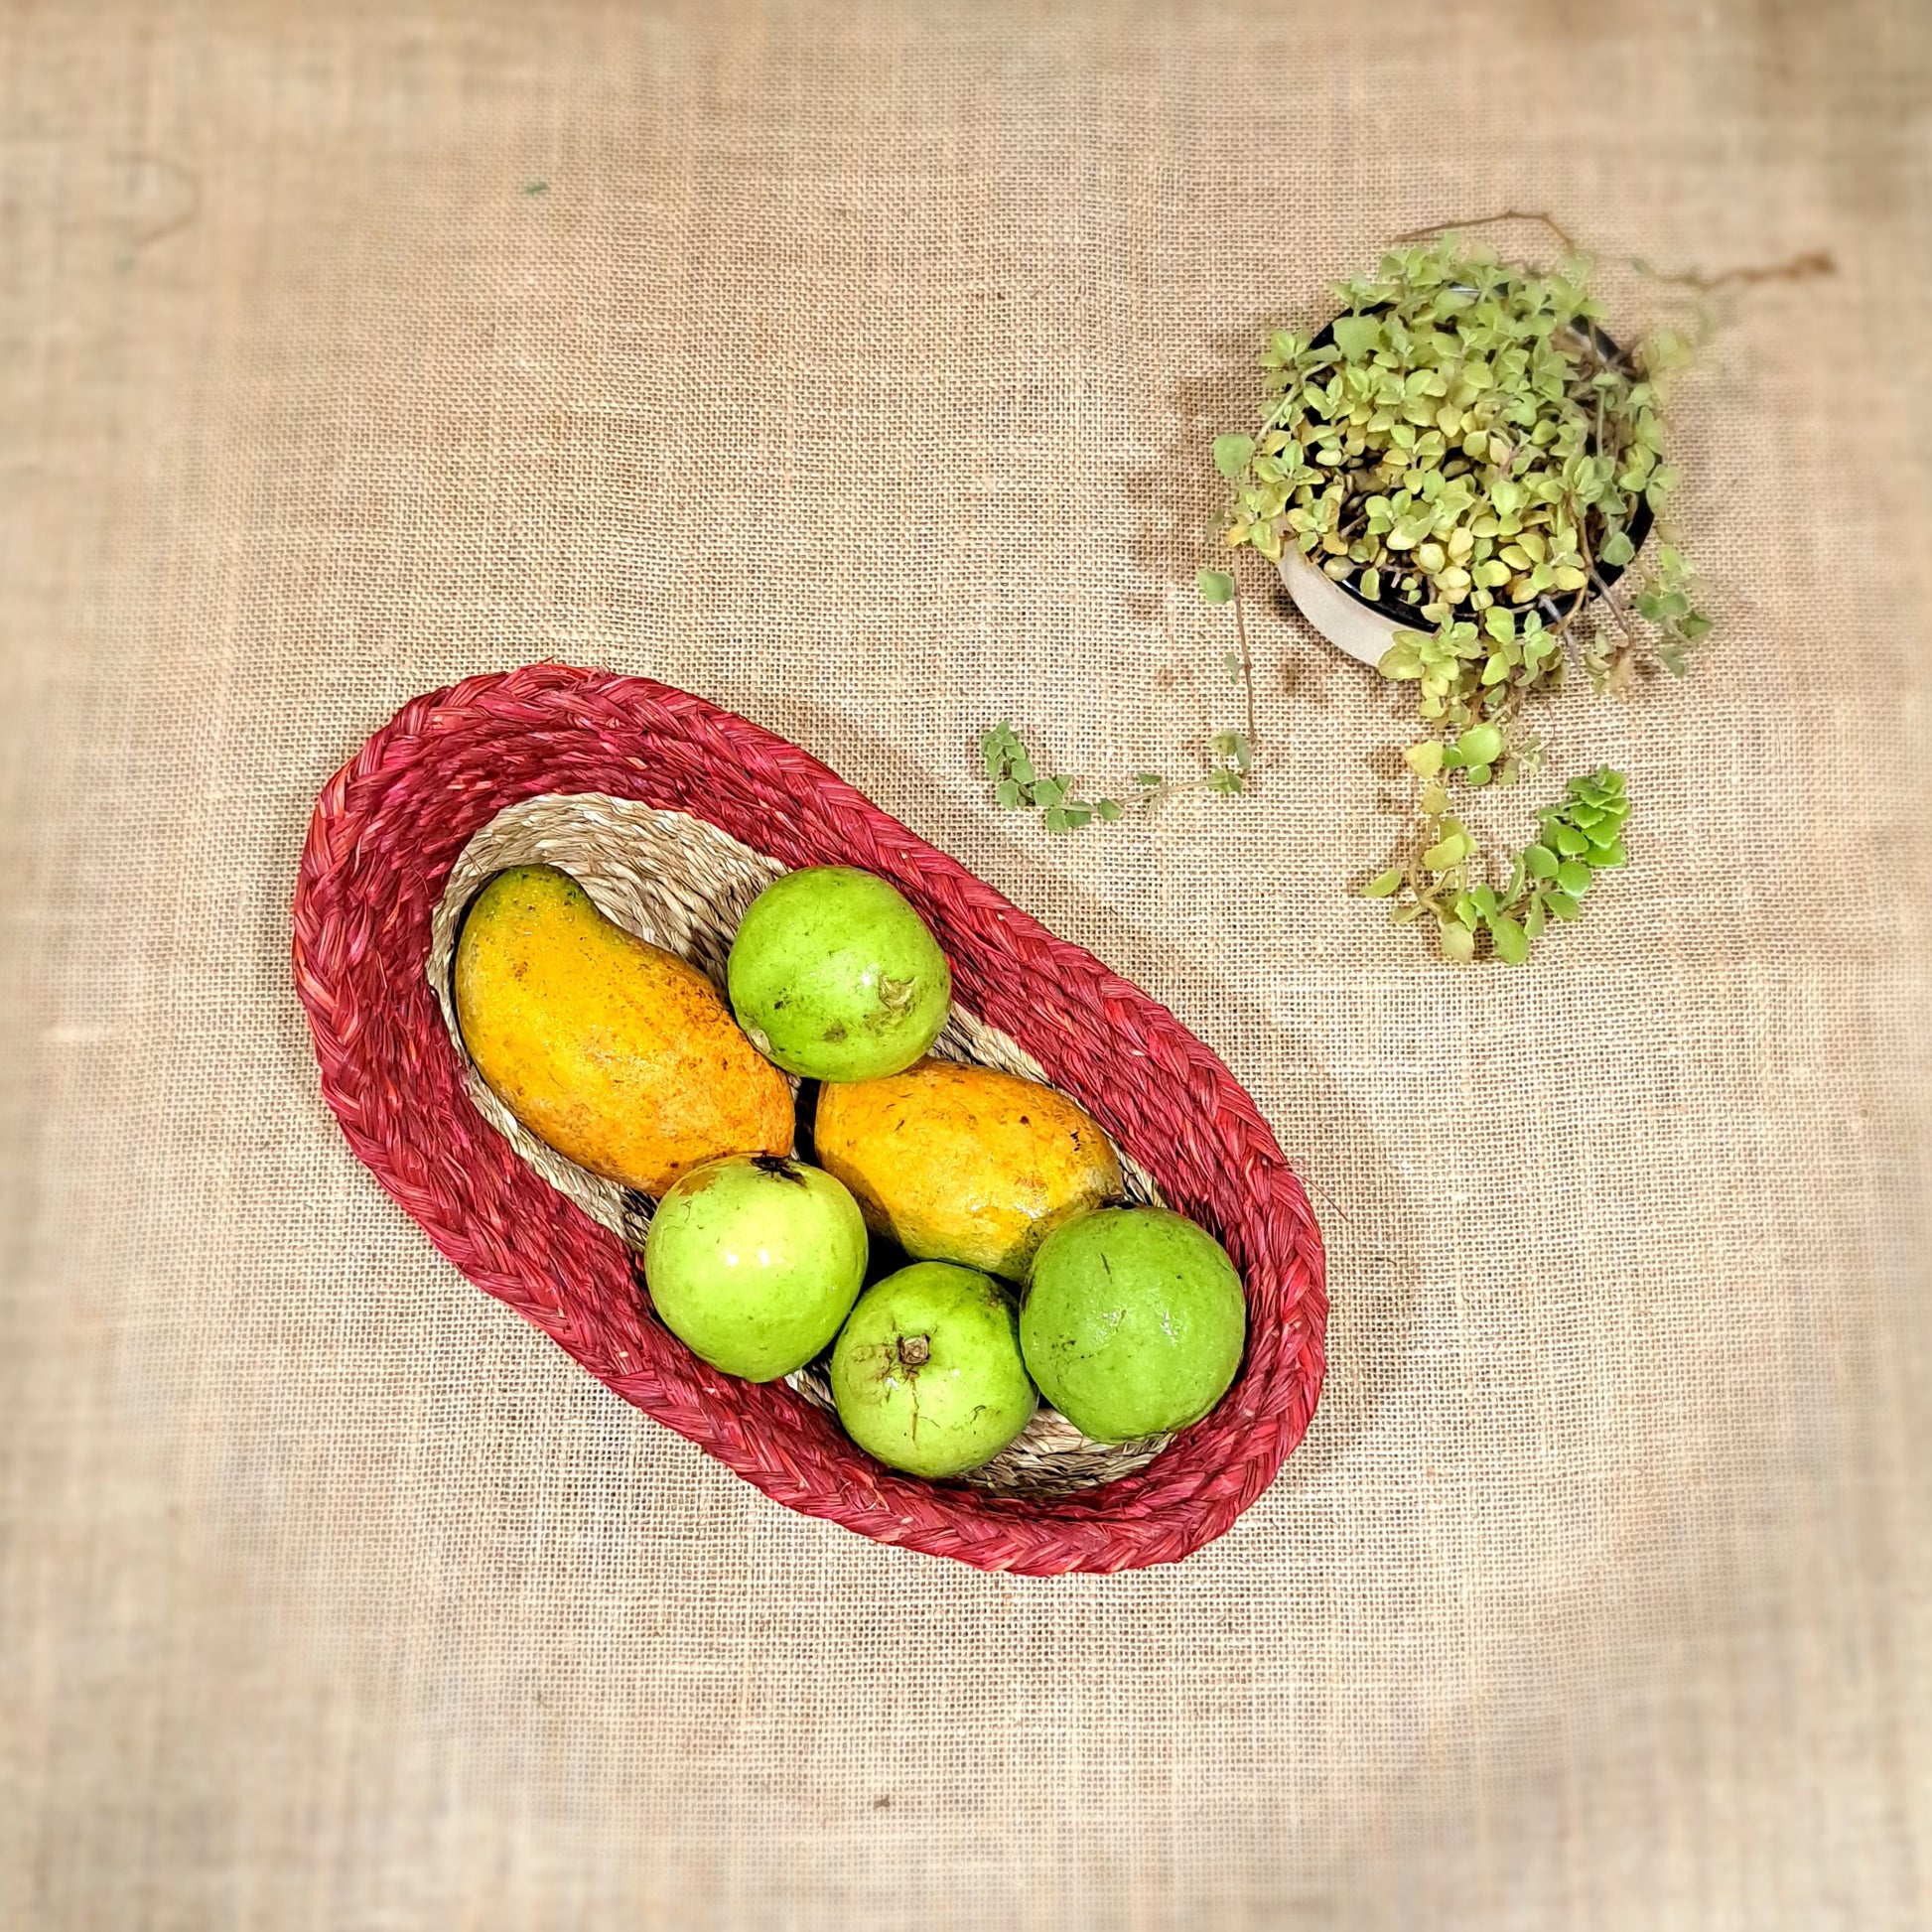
386	831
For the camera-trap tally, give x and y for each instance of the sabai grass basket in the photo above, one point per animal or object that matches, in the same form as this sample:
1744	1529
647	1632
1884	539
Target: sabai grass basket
673	814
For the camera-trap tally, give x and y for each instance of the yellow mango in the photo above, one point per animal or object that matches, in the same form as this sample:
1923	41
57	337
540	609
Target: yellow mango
615	1052
964	1164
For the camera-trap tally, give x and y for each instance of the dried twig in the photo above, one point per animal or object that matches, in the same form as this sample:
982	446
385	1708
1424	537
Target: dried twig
1247	666
1547	221
1807	267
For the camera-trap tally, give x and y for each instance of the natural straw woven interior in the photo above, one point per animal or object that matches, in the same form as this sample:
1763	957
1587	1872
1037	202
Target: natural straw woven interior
684	885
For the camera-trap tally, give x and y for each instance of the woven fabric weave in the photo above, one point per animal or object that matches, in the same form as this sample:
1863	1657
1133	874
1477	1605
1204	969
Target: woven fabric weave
855	367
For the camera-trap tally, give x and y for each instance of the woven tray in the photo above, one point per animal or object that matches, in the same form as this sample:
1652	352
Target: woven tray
673	813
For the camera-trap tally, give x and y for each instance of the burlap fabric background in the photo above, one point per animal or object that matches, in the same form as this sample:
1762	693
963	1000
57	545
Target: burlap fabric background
856	369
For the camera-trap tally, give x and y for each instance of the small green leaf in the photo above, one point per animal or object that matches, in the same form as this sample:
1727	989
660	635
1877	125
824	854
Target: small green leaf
1357	336
1570	842
1370	585
1110	809
1056	818
1433	801
1480	744
1540	862
1424	759
1233	663
1562	905
1216	586
1606	857
1477	774
1574	877
1148	781
1512	943
1048	794
1401	659
1008	792
1384	883
1234	745
1618	550
1445	853
1232	455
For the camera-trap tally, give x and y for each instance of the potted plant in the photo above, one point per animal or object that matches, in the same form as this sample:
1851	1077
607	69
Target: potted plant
1454	477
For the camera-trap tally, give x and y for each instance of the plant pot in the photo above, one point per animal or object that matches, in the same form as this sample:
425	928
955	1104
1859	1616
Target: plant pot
1365	629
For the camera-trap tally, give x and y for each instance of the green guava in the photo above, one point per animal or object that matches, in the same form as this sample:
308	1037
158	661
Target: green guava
753	1261
1133	1323
835	977
927	1374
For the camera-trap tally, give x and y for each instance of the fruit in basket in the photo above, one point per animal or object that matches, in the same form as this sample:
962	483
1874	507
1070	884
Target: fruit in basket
964	1164
753	1262
615	1052
1134	1323
835	977
927	1373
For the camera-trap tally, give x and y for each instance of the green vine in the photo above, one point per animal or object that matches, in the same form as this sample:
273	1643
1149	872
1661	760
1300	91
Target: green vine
1443	871
1228	767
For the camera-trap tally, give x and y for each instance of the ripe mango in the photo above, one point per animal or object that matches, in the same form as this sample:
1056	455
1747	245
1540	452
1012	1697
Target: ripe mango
615	1052
964	1164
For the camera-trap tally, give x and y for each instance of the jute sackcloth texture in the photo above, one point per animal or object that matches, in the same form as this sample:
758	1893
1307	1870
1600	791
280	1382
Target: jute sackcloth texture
854	367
